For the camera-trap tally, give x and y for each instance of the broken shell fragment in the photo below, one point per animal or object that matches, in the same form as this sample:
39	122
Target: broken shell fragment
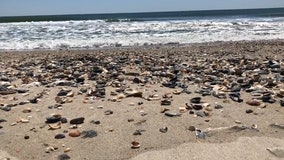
135	145
182	109
54	126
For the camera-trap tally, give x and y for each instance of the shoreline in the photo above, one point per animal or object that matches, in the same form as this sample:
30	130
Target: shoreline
122	91
270	41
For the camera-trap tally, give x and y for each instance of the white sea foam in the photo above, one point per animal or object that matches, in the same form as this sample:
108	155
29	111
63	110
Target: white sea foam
99	33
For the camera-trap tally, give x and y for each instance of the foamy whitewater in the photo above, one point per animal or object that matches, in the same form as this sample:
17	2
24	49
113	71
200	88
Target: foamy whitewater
101	33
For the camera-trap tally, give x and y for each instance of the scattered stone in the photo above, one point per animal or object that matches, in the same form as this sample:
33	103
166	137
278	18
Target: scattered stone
197	106
195	100
6	108
164	129
253	102
249	111
59	136
27	110
171	114
79	120
200	114
74	133
63	157
3	120
33	100
95	122
282	103
26	137
191	128
89	134
130	120
63	120
166	102
53	119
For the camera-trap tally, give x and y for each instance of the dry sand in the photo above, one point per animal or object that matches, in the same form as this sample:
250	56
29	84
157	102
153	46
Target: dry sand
115	131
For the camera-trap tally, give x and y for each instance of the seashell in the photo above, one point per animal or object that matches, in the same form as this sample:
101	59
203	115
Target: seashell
153	99
70	94
120	96
177	92
24	121
73	126
100	107
129	92
163	110
108	112
182	109
238	122
164	129
172	114
206	104
135	145
208	108
254	126
199	134
27	110
54	126
67	150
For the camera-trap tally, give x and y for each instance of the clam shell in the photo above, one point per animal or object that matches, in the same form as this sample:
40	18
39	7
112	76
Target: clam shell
135	145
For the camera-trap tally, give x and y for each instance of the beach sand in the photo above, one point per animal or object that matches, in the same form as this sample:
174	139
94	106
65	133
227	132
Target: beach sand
257	131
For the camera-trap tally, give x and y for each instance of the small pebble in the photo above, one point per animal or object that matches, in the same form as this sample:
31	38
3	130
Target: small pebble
59	136
95	122
249	111
191	128
164	129
74	133
27	110
79	120
63	157
89	134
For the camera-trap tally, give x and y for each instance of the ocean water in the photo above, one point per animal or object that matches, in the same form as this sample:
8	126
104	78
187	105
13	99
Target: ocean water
138	29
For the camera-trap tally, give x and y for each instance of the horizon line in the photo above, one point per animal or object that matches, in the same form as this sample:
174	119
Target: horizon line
110	13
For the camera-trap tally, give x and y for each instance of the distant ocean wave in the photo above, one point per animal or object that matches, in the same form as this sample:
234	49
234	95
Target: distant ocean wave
149	16
111	30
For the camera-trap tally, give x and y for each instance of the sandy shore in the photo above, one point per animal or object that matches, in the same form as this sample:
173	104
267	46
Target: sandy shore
146	91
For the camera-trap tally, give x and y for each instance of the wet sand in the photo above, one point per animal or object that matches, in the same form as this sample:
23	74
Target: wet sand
175	73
